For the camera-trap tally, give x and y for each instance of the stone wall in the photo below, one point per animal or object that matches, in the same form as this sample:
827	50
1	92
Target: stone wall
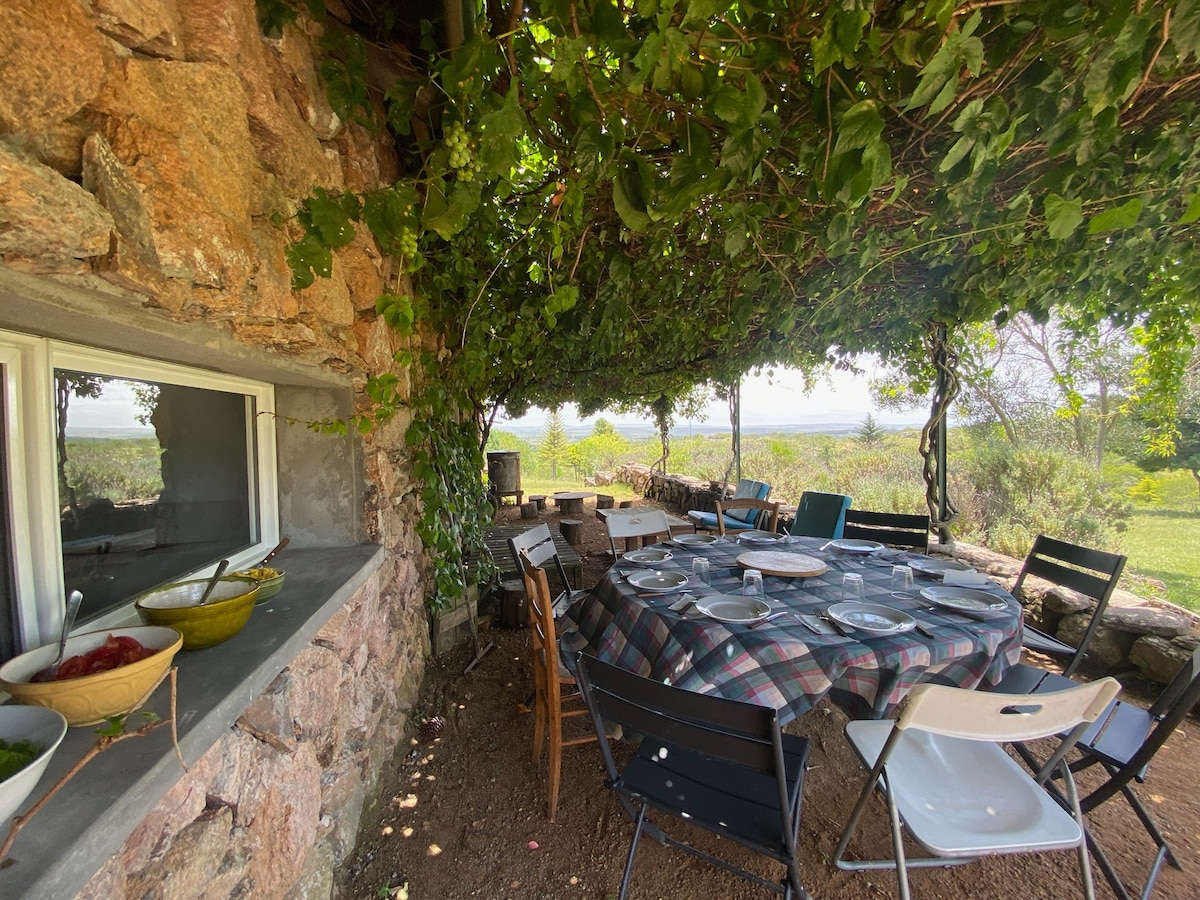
160	149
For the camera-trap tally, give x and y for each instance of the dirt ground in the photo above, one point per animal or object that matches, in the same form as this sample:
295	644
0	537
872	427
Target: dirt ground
465	815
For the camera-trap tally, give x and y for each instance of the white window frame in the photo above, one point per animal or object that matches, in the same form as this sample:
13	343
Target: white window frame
29	428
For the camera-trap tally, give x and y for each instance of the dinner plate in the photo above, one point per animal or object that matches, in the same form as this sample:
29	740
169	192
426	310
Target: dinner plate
963	598
936	566
872	617
853	545
760	537
647	556
657	581
733	609
694	540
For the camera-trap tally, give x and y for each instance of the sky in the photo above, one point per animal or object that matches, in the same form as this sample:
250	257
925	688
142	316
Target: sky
840	397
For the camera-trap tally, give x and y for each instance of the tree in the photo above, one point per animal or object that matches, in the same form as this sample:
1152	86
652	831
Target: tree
1186	453
870	433
552	448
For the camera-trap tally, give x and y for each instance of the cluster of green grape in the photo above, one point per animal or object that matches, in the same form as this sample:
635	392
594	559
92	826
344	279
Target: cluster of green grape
407	242
462	160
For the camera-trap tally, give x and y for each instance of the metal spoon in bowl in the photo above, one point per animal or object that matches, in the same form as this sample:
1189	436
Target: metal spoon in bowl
208	589
74	599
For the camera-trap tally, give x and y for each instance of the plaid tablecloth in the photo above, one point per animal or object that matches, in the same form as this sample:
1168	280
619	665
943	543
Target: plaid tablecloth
781	663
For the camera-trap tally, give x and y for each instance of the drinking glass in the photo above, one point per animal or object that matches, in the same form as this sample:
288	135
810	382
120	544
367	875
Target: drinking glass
700	569
902	583
752	584
852	588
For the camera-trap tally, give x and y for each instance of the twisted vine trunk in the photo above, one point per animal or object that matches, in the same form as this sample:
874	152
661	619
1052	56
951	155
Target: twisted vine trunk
933	436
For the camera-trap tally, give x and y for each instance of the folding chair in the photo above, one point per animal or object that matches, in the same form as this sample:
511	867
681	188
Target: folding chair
767	515
643	524
948	781
820	515
538	544
718	764
1093	573
551	707
906	530
747	489
1123	741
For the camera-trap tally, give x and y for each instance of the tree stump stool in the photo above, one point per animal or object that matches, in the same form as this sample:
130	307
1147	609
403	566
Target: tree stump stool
514	611
603	501
529	510
571	530
540	500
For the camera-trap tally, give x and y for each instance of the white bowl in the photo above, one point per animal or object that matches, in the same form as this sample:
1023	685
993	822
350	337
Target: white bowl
44	727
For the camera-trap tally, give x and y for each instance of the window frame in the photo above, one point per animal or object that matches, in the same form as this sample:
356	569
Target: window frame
29	431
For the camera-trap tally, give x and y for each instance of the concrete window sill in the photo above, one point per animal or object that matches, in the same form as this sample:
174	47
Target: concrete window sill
66	843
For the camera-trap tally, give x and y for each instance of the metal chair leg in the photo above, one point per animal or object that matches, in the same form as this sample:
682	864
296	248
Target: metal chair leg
633	845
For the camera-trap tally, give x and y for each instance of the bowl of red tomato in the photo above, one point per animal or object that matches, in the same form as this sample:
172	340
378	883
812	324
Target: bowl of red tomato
103	673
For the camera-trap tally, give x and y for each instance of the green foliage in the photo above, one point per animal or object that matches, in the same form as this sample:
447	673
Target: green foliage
552	448
869	432
1147	490
114	469
1020	493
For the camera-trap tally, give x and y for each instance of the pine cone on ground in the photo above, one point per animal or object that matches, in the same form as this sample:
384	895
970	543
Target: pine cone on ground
431	729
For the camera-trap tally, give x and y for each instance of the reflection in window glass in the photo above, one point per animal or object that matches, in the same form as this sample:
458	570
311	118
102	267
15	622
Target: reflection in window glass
155	480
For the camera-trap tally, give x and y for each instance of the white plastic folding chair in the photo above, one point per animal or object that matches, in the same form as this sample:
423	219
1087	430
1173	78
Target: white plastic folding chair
949	782
645	523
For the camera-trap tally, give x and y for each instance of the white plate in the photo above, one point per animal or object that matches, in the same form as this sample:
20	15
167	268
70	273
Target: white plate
963	598
853	545
733	609
872	617
658	581
760	537
647	556
936	566
694	540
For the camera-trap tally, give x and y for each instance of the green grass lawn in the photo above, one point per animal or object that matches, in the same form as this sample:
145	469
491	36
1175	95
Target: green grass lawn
1163	540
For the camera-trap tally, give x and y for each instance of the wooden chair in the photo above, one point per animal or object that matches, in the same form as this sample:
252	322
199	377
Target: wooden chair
747	489
950	784
767	518
551	706
894	529
1093	573
820	515
643	524
1122	742
717	764
538	544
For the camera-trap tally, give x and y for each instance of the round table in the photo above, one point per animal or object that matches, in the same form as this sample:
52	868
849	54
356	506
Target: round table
571	502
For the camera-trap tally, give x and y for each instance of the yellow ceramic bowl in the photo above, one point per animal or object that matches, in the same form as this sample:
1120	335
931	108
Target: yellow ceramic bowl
90	699
223	616
270	582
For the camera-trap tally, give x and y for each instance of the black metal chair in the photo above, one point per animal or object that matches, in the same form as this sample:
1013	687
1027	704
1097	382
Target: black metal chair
1093	573
1122	742
538	544
719	764
910	531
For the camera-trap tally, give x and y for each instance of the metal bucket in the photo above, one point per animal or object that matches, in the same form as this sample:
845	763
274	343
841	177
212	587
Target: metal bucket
504	471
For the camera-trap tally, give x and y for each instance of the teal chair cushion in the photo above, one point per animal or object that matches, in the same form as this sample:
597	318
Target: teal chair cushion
820	515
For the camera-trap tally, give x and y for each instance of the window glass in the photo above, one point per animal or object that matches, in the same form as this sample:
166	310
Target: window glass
154	480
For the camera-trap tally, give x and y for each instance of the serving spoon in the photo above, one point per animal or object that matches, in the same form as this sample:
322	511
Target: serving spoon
208	589
74	599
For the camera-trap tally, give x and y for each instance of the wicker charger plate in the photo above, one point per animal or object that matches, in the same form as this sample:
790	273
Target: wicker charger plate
780	562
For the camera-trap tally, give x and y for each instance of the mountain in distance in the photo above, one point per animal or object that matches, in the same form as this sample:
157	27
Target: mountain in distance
638	431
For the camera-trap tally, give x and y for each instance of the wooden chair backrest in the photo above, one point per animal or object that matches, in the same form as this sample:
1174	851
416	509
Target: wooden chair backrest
766	520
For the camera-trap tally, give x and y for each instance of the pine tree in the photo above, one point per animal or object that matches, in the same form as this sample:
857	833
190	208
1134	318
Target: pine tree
552	449
870	433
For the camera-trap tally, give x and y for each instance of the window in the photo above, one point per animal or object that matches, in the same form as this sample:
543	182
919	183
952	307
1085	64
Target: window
121	474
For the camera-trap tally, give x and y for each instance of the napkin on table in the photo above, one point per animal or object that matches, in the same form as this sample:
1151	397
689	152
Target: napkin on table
968	578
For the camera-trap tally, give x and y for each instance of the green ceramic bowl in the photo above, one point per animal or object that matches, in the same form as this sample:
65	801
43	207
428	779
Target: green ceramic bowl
270	582
223	616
